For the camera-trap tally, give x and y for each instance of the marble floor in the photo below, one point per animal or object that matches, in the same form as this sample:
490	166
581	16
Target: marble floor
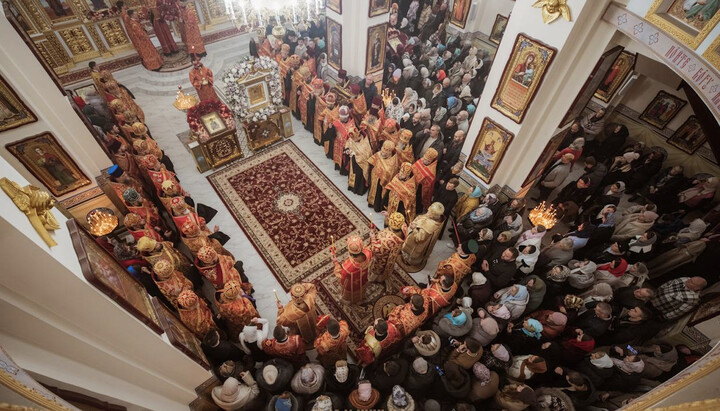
155	92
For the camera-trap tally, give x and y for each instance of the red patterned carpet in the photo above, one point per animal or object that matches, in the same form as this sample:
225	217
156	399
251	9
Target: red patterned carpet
289	210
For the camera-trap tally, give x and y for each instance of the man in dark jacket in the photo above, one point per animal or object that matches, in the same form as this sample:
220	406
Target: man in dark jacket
595	171
388	374
500	271
664	186
218	350
427	139
595	322
369	90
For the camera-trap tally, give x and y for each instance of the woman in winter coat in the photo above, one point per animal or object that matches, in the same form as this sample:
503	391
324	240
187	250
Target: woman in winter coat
515	298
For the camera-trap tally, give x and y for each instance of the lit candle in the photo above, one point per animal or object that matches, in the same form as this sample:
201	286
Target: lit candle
277	15
276	296
371	222
309	4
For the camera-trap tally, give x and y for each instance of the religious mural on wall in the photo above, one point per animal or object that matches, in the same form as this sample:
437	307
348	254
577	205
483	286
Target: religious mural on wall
378	7
498	28
49	163
460	11
689	137
13	112
662	109
689	21
489	148
523	74
375	54
616	76
334	43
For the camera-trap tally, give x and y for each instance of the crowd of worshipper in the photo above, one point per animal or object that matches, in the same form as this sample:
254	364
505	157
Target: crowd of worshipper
512	319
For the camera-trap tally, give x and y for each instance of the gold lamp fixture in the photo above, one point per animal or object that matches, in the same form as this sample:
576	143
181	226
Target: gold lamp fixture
387	96
102	221
544	215
184	102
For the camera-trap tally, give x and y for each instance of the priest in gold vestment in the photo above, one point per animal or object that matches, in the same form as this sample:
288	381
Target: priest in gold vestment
459	265
195	314
385	247
235	308
421	237
411	316
383	167
401	193
299	314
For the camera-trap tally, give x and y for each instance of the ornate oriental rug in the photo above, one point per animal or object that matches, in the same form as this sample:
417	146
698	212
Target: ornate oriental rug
289	210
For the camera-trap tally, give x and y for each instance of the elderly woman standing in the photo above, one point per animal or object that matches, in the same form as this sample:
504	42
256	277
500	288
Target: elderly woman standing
558	253
515	298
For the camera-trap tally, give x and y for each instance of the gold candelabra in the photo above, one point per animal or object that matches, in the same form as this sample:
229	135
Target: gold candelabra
387	96
102	221
184	102
545	215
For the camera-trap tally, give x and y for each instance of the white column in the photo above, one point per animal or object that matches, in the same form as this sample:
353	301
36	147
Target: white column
579	44
355	22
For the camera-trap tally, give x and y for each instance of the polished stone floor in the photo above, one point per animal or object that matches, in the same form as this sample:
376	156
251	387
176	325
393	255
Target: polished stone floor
155	92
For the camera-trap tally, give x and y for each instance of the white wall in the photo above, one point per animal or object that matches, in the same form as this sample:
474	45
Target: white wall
482	15
644	90
54	323
33	85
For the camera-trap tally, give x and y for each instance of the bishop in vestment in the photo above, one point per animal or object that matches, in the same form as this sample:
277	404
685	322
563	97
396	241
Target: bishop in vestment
153	251
300	315
203	80
404	149
195	314
379	338
326	113
331	345
139	228
371	124
337	136
383	167
385	247
421	237
235	308
401	193
353	272
390	131
218	269
299	80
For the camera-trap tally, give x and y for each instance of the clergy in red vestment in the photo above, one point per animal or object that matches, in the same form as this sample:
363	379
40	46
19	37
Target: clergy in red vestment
379	338
235	308
402	192
331	345
218	269
161	28
195	314
353	272
383	167
153	251
193	40
152	60
338	135
439	293
138	204
424	171
195	237
288	347
139	228
459	265
170	281
202	79
409	317
386	246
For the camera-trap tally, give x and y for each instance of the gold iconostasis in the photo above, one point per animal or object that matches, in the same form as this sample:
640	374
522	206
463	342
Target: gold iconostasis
68	32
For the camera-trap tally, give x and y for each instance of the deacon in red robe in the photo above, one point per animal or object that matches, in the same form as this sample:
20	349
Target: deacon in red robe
353	272
202	79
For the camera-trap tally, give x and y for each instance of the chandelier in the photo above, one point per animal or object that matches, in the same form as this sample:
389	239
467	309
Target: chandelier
387	96
102	221
544	215
184	102
261	12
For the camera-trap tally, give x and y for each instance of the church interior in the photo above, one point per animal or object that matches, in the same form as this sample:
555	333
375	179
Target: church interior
360	204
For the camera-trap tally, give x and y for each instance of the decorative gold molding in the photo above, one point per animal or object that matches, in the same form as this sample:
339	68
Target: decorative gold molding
40	19
657	15
99	45
705	405
675	384
78	42
553	9
712	54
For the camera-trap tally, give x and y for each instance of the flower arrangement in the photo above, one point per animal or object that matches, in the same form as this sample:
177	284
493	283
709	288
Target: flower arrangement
194	117
238	99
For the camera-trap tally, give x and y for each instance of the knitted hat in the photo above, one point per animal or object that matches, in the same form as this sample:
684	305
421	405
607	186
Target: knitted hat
478	279
145	244
420	365
270	374
481	372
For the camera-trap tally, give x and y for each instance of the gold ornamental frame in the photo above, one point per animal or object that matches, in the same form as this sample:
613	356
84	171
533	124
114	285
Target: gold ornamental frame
712	54
659	16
